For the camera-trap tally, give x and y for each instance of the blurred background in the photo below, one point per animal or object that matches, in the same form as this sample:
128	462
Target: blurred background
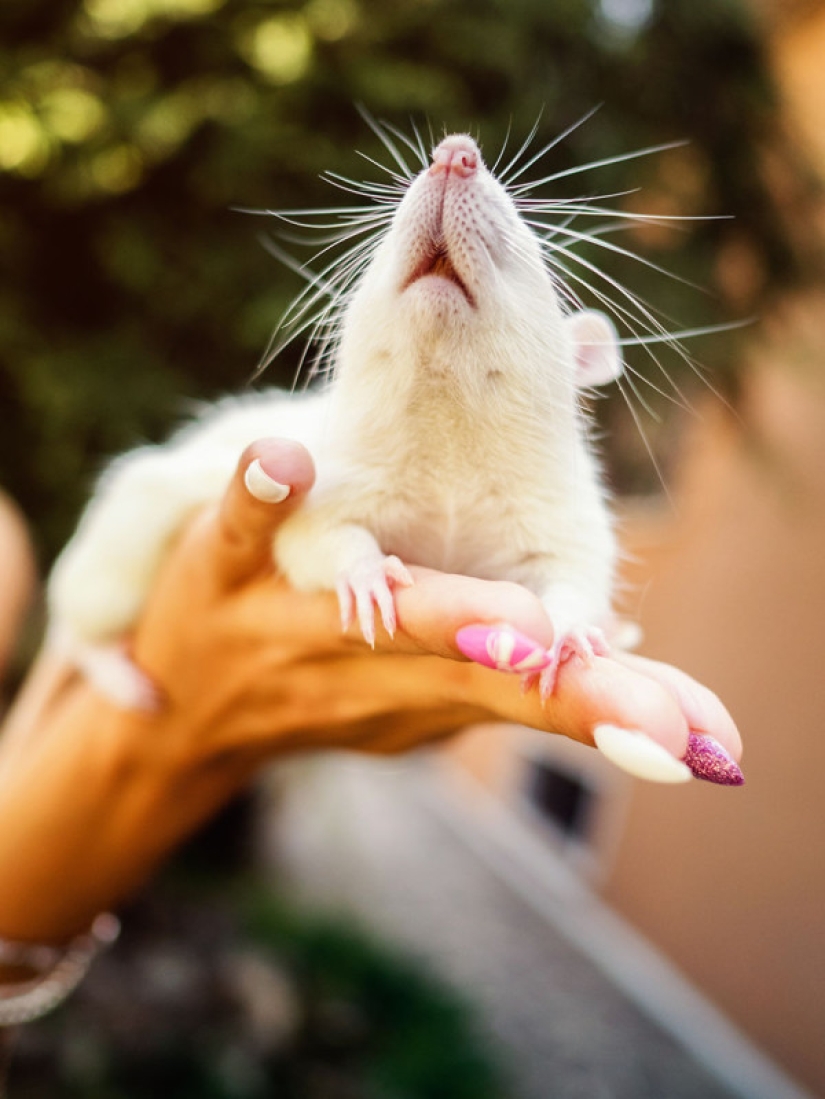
131	130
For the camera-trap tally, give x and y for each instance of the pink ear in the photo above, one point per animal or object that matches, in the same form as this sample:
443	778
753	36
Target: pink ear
595	347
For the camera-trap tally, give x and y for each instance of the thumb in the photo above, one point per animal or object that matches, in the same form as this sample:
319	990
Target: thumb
270	481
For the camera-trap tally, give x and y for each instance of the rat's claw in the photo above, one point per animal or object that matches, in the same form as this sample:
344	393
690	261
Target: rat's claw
386	605
397	571
367	587
548	678
346	603
598	642
366	614
582	643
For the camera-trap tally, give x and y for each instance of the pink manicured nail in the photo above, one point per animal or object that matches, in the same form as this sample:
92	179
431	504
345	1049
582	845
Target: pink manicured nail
707	759
503	648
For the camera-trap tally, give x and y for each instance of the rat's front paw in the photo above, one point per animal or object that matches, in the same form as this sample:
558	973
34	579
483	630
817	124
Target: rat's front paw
366	586
111	671
578	642
107	666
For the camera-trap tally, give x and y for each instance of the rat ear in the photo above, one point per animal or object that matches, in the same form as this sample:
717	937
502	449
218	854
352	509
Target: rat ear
595	348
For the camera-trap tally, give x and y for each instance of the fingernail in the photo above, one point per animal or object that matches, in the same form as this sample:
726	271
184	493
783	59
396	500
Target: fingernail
262	486
503	648
708	760
637	754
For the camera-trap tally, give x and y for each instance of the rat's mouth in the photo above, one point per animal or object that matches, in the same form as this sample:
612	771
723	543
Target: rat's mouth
440	265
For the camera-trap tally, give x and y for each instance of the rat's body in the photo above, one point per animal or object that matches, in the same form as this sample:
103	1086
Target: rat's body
450	436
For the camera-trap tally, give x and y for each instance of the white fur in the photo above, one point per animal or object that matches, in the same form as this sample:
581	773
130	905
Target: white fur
450	435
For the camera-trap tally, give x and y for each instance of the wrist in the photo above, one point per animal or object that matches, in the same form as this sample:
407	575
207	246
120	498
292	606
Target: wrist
91	799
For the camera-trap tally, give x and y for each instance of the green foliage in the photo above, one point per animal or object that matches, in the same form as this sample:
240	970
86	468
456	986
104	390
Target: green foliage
417	1038
129	129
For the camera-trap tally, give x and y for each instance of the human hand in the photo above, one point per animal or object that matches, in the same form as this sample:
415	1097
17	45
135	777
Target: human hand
250	670
259	669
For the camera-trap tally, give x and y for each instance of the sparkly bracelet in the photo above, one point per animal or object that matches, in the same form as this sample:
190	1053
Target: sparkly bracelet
59	971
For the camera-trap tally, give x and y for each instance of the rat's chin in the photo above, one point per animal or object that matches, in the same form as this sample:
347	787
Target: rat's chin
436	307
440	294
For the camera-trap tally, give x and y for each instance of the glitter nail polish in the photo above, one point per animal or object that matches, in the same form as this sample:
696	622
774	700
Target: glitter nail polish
708	760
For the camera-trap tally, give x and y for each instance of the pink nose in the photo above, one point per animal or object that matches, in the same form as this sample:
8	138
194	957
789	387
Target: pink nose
457	155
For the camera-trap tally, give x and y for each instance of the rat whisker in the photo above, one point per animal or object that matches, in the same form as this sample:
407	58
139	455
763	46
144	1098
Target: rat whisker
508	180
578	169
511	164
620	251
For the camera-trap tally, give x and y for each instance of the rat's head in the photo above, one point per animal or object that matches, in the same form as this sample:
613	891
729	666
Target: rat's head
459	284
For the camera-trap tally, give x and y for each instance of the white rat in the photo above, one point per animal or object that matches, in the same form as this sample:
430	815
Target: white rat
450	435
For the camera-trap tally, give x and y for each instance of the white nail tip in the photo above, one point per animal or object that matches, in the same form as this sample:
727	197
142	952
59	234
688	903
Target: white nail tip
262	486
637	754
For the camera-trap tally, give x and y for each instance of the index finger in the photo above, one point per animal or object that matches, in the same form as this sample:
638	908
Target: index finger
432	611
628	692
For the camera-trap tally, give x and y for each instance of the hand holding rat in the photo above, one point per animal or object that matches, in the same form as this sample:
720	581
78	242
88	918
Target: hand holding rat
249	670
296	683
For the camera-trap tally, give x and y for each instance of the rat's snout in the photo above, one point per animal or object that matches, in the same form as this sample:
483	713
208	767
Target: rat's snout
457	155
